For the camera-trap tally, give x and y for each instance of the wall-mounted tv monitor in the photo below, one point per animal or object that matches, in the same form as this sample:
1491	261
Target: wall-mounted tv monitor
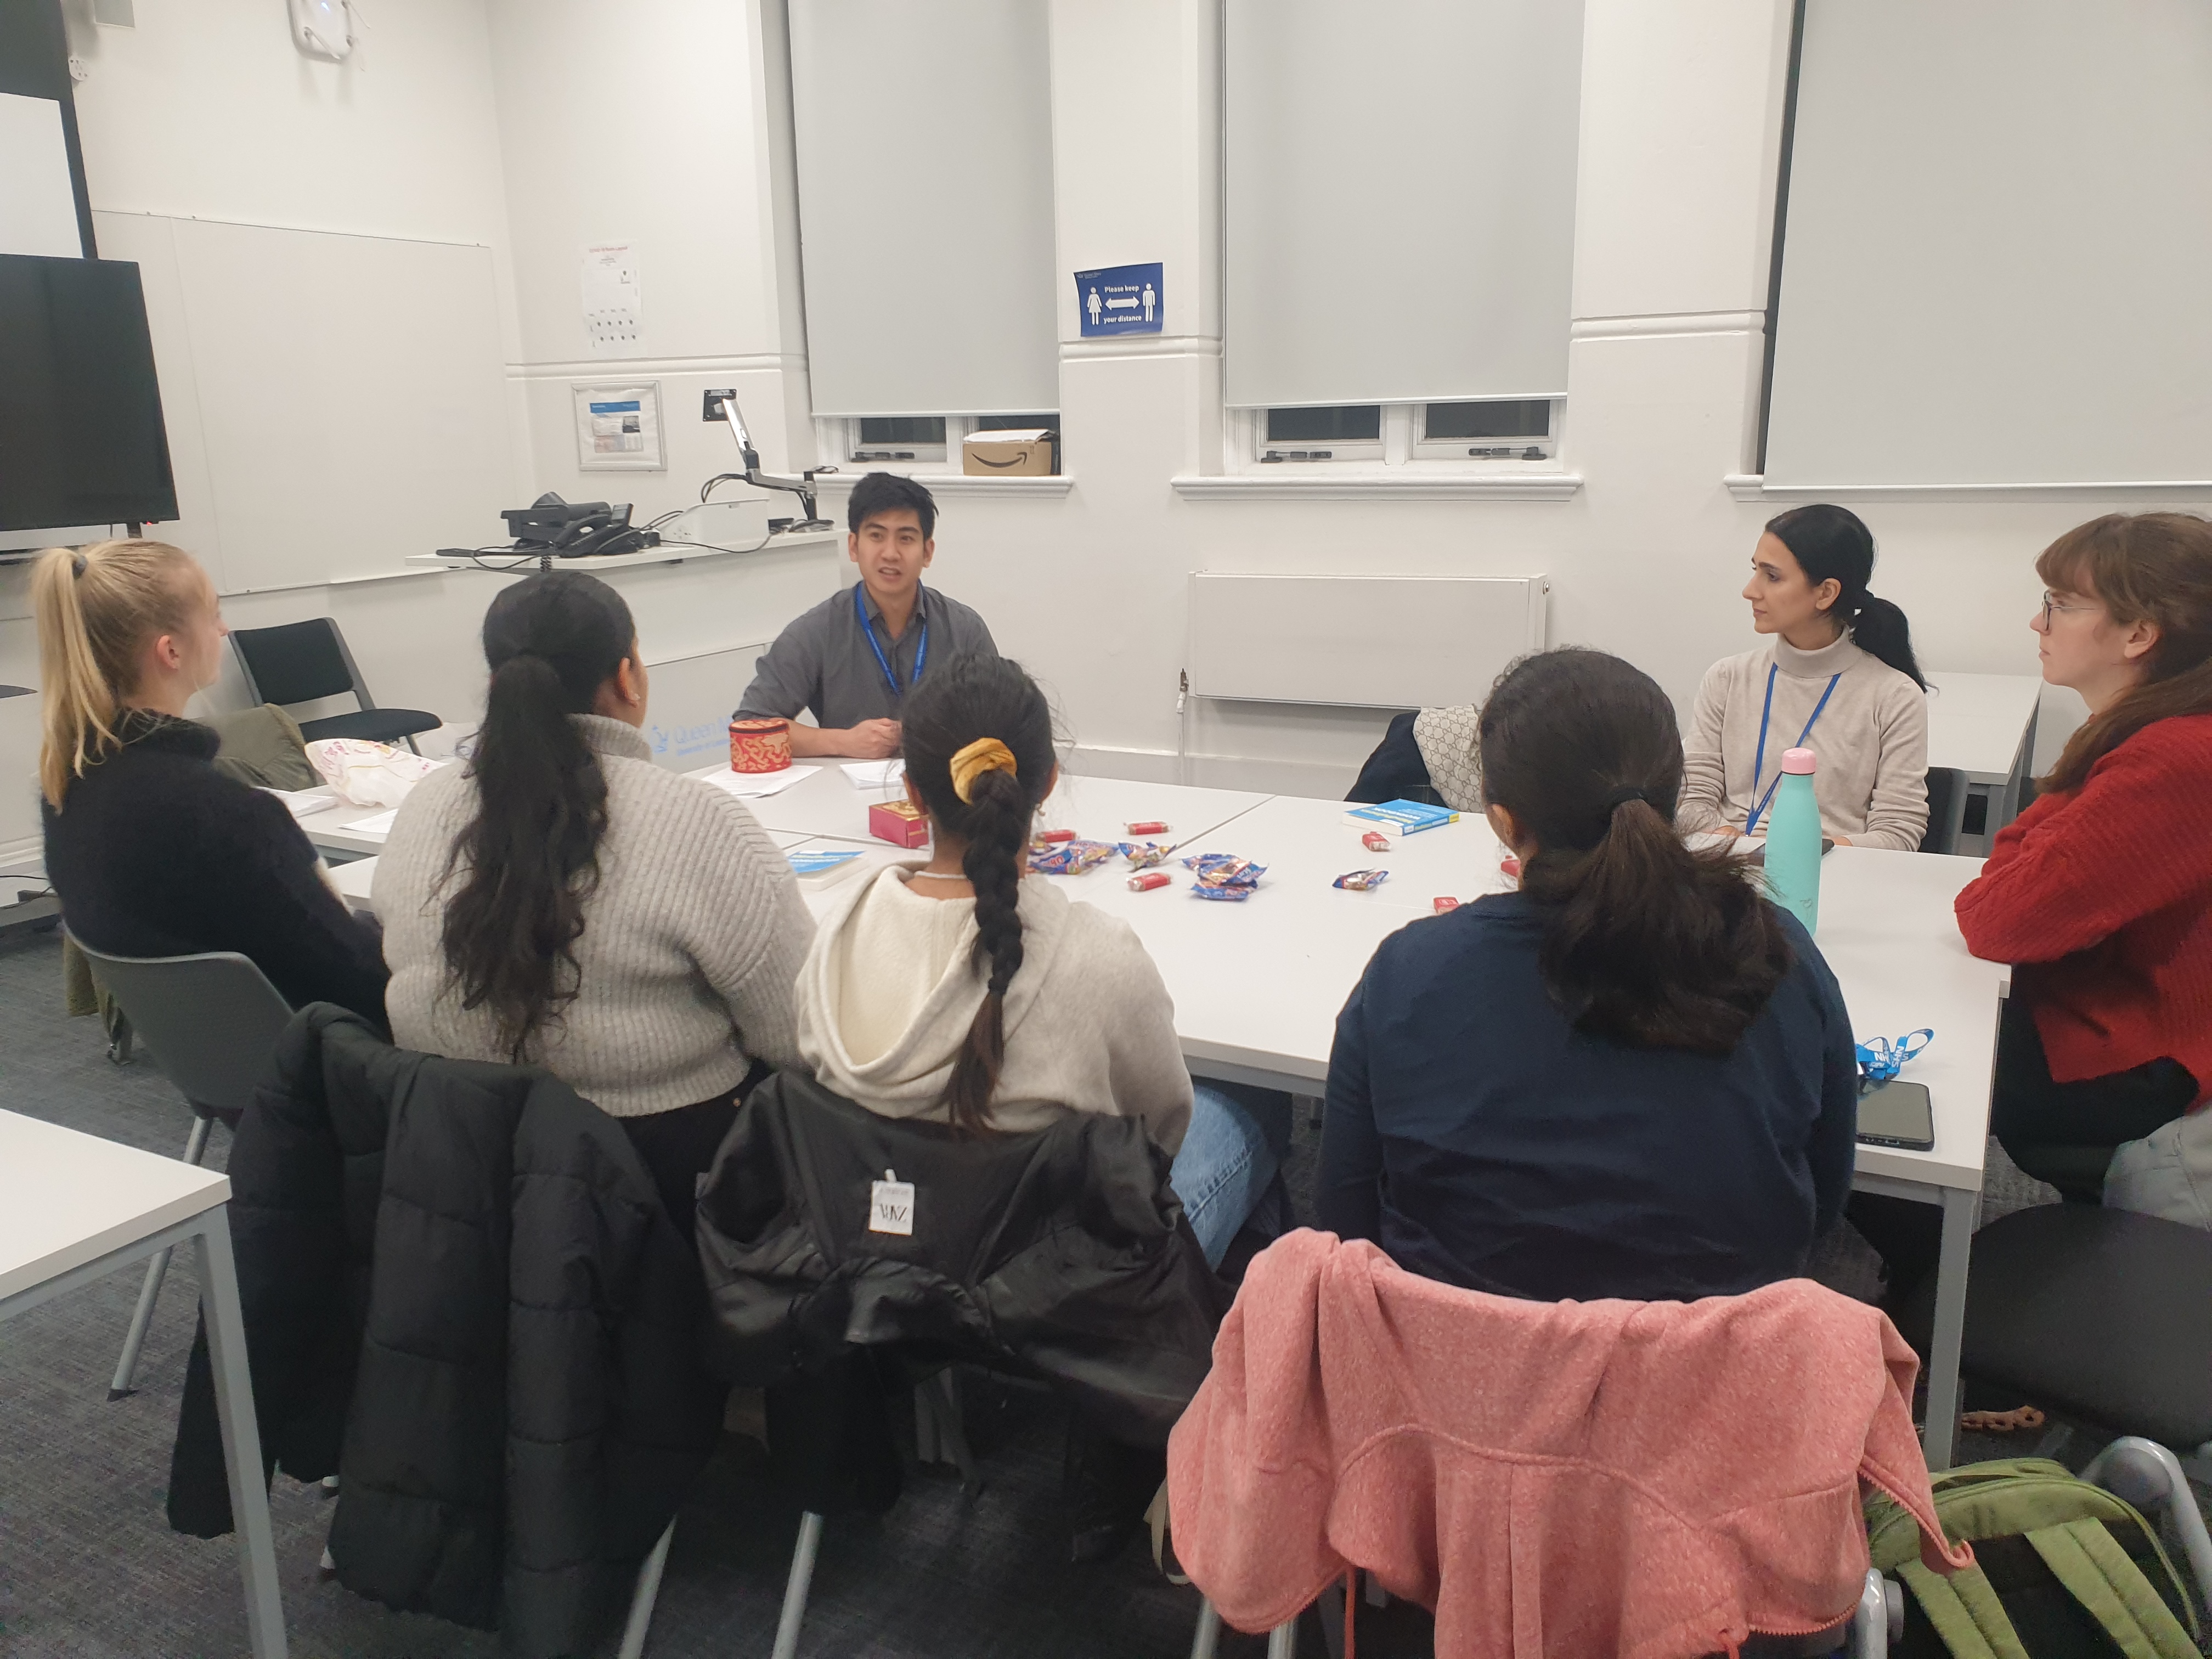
81	439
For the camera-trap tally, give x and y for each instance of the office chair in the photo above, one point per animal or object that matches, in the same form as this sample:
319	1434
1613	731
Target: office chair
2098	1314
302	662
210	1021
1946	809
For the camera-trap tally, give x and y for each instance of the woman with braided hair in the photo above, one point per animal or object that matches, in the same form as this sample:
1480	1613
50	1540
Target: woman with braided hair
954	990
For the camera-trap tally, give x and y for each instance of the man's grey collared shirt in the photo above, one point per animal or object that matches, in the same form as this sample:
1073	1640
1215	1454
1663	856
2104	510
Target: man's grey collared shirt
822	663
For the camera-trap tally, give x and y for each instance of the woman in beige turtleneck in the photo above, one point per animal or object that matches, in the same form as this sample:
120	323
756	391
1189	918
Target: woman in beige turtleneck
1838	678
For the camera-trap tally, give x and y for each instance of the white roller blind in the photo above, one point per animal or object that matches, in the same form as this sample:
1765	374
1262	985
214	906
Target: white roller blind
1998	247
1400	199
925	205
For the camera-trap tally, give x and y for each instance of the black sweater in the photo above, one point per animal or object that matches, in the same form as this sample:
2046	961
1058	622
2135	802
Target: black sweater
155	853
1479	1139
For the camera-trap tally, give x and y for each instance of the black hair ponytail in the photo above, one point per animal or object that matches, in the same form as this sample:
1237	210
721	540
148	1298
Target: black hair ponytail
530	854
1645	942
1830	542
970	699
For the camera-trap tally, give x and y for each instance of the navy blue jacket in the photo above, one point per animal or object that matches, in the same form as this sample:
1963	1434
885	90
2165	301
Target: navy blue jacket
1481	1140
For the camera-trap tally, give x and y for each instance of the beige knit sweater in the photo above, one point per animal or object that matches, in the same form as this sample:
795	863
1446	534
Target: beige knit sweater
1871	742
691	947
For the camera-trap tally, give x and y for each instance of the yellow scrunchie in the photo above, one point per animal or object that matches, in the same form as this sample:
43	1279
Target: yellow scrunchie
984	755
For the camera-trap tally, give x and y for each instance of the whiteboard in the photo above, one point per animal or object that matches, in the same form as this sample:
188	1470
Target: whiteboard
334	403
1360	641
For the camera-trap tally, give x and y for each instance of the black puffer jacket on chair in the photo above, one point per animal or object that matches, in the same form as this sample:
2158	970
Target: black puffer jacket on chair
1060	1254
461	1292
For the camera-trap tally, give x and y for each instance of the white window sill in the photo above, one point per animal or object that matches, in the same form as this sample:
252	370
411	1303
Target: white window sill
1753	487
953	484
1323	481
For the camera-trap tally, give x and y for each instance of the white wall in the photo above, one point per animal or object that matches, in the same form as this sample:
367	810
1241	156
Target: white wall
537	127
204	111
1681	117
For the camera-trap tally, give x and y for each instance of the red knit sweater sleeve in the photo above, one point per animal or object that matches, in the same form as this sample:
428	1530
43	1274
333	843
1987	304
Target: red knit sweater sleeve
2075	870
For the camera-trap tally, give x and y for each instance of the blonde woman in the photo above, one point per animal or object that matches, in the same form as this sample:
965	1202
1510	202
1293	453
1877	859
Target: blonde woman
153	851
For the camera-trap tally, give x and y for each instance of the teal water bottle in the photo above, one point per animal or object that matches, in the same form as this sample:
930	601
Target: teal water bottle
1793	842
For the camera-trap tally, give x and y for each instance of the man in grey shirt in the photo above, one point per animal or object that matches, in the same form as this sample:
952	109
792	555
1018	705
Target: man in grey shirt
851	660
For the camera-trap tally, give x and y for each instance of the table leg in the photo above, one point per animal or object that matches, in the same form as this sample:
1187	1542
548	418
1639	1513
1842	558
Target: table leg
1958	1209
241	1436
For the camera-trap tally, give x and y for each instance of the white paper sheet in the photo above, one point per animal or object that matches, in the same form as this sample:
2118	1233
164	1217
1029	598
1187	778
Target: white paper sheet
611	305
752	785
376	827
874	774
304	801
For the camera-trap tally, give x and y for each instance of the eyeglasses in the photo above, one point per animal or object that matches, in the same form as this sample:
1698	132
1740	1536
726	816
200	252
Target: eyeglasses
2051	607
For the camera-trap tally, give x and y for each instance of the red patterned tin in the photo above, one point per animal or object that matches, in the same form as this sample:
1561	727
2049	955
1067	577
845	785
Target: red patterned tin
760	745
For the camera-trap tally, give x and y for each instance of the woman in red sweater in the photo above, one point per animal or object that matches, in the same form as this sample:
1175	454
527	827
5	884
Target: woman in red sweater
2102	891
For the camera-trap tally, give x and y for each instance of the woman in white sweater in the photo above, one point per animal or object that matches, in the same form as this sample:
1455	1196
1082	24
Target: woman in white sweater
953	990
563	901
1839	680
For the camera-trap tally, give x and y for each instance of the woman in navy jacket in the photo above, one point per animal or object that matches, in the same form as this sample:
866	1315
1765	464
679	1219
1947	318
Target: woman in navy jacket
1633	1078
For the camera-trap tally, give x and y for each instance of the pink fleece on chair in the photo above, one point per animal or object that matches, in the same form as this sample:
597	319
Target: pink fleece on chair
1646	1479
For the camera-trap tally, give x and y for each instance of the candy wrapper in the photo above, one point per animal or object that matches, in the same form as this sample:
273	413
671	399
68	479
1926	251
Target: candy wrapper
1359	881
1067	858
1444	904
1376	841
1224	876
1143	854
1151	880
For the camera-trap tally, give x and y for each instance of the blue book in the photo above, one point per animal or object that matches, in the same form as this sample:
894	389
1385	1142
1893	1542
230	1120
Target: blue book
822	869
1400	817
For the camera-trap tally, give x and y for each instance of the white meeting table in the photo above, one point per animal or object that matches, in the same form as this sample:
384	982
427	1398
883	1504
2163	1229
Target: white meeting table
74	1208
1257	985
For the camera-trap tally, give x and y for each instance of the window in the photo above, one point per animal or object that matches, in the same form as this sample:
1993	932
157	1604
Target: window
1342	432
898	438
1474	209
924	444
1490	430
1473	432
922	343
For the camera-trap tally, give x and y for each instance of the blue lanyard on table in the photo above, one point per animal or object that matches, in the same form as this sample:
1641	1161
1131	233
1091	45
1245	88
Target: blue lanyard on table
920	645
1759	760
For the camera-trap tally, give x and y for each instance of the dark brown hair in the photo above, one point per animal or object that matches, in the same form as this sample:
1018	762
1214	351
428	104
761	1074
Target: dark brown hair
972	698
2142	567
1645	942
530	854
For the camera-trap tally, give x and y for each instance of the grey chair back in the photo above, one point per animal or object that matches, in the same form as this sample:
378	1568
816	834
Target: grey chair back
210	1020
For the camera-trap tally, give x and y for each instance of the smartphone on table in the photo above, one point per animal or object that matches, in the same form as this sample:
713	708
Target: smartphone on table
1898	1115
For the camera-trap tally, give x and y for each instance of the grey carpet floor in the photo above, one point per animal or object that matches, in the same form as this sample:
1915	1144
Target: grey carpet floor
89	1570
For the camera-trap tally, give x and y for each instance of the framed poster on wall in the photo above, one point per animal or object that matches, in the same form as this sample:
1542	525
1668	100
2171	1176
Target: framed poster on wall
618	428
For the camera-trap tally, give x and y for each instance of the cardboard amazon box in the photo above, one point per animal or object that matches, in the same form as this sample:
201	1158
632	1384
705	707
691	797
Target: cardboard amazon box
1007	454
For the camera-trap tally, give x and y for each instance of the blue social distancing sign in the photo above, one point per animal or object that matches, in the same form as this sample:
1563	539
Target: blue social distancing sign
1121	299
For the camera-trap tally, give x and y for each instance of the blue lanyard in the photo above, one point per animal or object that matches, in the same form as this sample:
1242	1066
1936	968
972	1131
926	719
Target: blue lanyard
920	645
1759	760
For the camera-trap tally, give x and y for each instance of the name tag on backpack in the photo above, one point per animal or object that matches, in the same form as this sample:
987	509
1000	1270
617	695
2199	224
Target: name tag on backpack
891	1205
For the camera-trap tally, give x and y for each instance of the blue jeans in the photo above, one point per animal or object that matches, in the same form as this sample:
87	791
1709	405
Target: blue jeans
1223	1169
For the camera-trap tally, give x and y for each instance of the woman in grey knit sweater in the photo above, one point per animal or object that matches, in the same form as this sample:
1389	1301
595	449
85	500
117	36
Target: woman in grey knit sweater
564	902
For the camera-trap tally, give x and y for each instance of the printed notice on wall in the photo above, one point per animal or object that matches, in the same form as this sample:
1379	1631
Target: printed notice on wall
618	428
611	306
1121	300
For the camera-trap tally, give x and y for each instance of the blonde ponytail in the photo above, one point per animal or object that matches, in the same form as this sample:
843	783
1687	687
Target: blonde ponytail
96	608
